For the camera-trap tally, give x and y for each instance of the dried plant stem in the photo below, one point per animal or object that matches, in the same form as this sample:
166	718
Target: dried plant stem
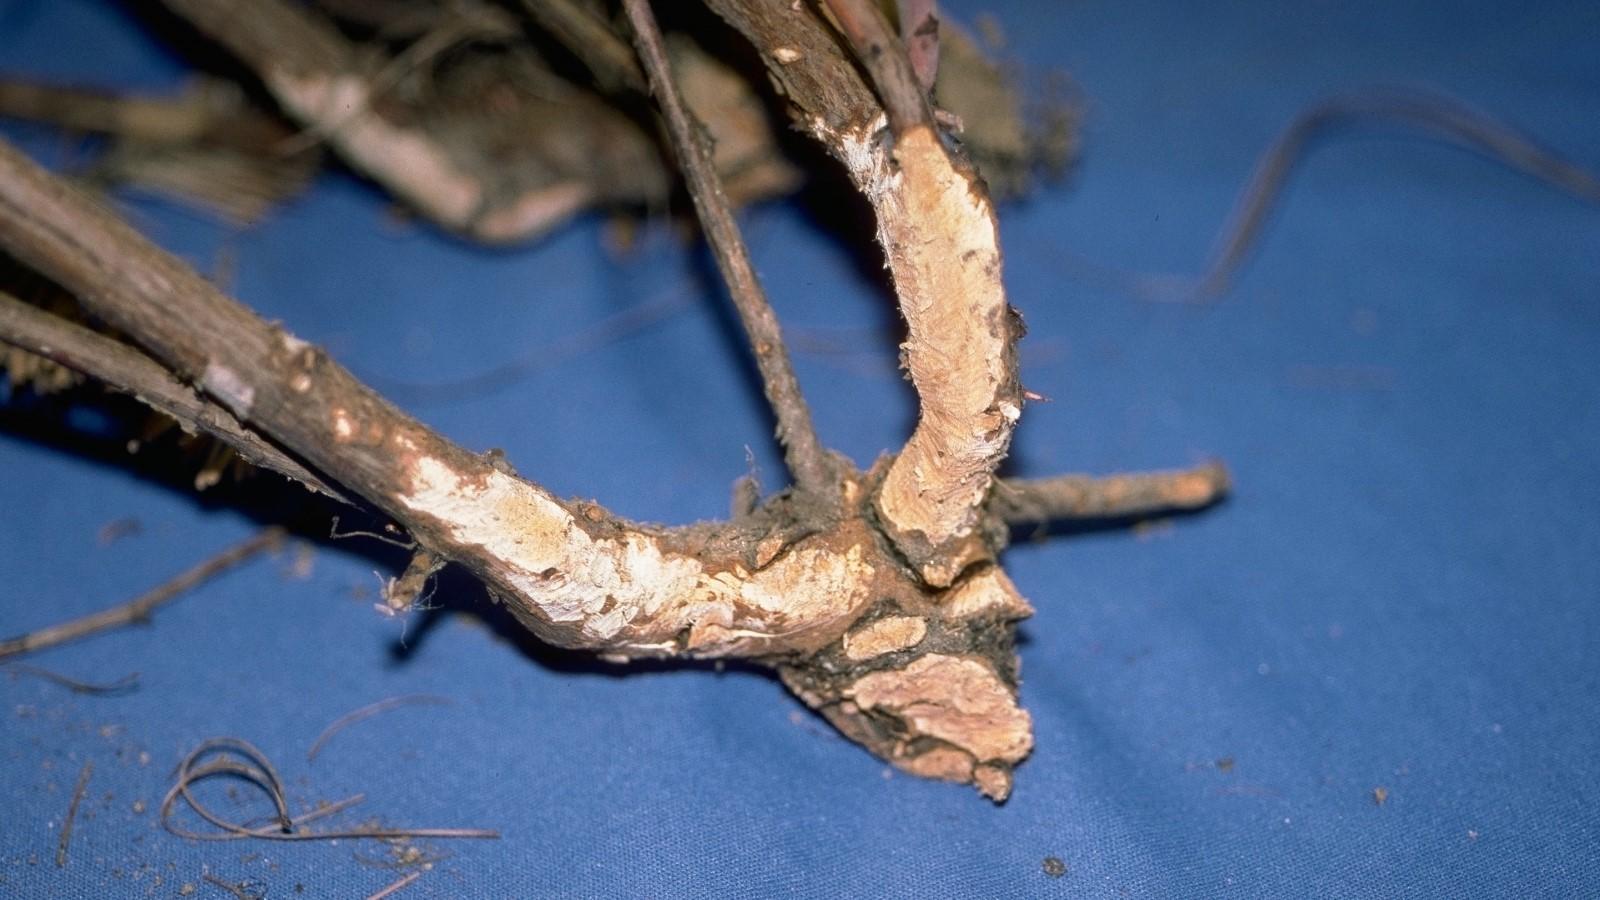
1068	497
140	608
1429	111
124	685
808	461
396	887
316	76
72	814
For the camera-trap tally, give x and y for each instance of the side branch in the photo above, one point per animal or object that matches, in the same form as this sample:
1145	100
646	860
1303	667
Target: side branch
903	92
807	459
140	608
1067	497
126	369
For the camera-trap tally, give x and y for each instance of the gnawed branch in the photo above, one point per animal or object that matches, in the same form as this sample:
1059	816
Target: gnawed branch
787	584
939	236
881	607
575	574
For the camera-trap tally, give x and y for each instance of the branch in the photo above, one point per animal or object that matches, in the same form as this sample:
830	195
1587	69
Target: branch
937	228
812	468
1066	497
919	29
927	679
126	369
575	575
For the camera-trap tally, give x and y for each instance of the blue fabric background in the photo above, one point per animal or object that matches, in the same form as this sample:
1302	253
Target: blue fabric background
1404	591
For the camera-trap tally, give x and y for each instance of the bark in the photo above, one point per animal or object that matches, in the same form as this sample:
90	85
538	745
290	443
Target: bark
121	366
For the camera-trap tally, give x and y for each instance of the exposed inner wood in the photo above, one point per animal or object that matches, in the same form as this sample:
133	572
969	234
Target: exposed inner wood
875	595
940	240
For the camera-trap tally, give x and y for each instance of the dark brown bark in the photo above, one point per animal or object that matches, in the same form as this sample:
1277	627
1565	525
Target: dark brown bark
126	369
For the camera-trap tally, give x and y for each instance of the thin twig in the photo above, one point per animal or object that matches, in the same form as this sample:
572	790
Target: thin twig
1067	497
804	453
335	534
72	814
140	608
124	368
902	93
125	685
328	809
1436	113
395	887
258	770
367	712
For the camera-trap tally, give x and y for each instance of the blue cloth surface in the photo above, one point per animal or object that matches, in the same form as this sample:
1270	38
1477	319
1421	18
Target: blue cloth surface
1403	593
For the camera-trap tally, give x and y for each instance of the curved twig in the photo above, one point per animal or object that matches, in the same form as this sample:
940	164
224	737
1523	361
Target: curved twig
1432	112
140	608
367	712
127	684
